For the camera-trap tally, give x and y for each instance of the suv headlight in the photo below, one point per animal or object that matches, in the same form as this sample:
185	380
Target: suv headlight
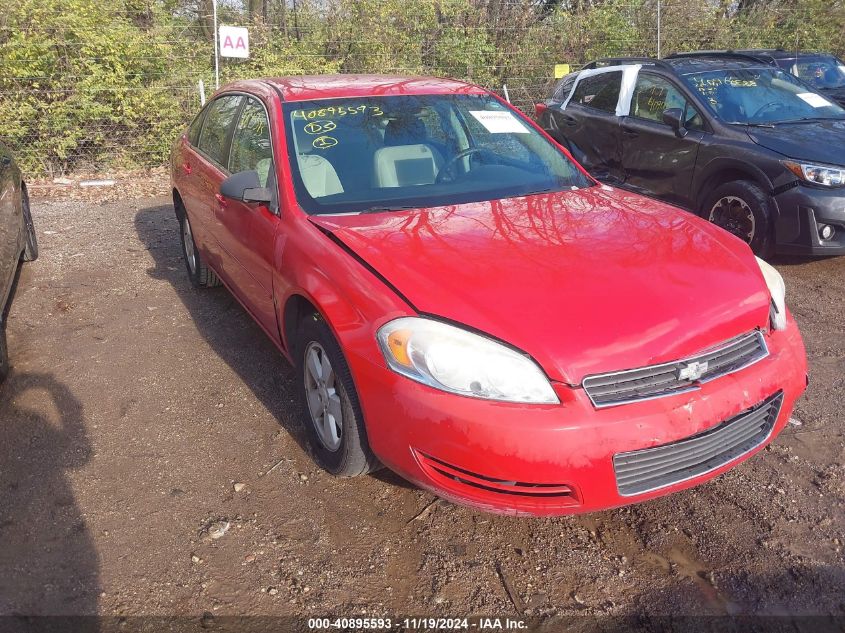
827	175
458	361
777	289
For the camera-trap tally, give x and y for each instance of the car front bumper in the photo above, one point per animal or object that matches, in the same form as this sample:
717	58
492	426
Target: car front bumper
802	210
556	459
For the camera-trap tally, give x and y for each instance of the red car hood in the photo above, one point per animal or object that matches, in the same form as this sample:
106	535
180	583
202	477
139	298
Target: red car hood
585	281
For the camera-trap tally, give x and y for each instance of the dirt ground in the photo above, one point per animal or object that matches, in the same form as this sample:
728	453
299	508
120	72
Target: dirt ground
143	416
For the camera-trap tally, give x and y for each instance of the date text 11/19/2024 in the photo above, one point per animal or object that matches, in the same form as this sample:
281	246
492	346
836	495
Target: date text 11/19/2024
421	623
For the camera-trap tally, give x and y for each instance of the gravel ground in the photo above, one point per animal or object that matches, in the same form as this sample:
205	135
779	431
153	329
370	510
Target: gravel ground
150	463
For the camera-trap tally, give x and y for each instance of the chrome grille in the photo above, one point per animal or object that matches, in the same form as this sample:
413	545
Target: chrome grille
656	381
652	468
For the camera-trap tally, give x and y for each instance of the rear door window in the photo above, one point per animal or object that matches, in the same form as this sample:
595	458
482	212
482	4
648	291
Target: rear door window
600	92
214	138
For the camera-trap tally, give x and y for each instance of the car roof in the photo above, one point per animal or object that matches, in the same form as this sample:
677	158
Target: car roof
310	87
686	63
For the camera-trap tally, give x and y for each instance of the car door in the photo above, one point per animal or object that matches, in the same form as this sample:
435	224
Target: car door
589	123
655	158
207	165
247	231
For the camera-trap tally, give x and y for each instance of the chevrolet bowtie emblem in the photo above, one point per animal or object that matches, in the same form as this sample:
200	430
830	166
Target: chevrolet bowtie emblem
692	371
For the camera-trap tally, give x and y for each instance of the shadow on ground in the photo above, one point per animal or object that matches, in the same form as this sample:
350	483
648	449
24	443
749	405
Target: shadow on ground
227	328
48	563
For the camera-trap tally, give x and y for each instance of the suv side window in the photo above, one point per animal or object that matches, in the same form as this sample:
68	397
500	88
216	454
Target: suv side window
218	123
251	146
599	91
654	94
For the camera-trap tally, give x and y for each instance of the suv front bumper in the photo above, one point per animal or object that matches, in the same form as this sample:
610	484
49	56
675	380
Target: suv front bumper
802	211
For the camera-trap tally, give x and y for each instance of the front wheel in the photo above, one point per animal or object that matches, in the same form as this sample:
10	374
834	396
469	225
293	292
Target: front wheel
331	411
743	209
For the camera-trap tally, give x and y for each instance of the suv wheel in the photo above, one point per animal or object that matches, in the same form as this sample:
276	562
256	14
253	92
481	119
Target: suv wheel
743	209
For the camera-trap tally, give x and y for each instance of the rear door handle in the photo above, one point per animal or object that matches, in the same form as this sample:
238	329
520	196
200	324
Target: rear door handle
222	200
630	133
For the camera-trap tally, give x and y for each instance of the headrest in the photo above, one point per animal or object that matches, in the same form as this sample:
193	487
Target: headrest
405	131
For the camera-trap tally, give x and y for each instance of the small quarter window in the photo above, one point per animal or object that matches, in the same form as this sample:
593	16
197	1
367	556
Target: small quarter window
599	91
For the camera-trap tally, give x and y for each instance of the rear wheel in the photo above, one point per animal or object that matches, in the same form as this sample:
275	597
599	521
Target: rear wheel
201	276
31	250
331	411
743	209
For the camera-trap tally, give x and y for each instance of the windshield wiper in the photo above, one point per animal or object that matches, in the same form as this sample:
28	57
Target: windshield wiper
385	208
808	118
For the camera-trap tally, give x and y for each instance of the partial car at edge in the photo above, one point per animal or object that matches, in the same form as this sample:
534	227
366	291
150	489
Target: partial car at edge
17	241
466	306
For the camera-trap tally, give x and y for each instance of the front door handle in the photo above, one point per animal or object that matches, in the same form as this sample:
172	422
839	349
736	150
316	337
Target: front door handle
630	133
222	200
568	120
186	167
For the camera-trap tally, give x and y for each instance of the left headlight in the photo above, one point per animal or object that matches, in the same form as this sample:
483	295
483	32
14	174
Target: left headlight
827	175
458	361
777	289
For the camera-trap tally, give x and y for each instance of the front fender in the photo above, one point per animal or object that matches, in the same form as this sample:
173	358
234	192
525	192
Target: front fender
351	298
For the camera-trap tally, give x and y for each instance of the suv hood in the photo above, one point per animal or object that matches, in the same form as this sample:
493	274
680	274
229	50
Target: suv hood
817	141
584	281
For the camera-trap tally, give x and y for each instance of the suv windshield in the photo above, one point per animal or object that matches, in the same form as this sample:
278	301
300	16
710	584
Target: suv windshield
761	96
382	153
822	72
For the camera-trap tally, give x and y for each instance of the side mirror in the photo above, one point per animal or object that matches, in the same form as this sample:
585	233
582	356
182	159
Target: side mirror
674	118
246	187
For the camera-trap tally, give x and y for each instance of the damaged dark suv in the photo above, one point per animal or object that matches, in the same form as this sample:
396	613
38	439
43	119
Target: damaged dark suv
736	140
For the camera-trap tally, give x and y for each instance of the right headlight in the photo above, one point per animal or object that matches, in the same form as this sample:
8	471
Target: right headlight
827	175
456	360
777	289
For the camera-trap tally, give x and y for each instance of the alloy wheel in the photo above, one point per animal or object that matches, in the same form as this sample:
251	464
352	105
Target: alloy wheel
188	243
735	216
322	392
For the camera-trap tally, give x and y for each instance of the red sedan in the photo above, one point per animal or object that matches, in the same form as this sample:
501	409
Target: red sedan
466	306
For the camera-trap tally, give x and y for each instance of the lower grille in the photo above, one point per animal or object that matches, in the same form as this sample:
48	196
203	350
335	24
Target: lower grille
439	469
652	468
655	381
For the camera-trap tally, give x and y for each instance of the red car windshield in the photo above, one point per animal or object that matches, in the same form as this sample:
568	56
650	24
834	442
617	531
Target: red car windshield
385	153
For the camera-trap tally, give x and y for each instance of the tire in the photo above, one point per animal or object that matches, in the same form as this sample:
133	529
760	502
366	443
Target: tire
743	209
4	355
339	448
30	253
201	276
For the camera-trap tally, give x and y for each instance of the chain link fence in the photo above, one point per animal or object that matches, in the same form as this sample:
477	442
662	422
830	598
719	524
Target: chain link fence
88	85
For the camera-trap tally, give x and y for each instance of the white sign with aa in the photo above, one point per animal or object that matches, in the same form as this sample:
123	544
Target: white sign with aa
234	42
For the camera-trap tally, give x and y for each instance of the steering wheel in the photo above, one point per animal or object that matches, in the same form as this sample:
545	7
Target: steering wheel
441	175
774	105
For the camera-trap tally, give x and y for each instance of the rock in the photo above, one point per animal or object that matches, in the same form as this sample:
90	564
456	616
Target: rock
195	559
218	529
239	486
272	591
